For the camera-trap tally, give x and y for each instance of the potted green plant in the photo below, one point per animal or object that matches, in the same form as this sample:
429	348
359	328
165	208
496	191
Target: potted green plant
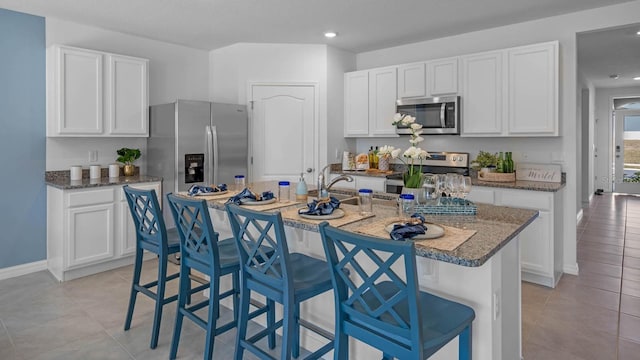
484	161
127	157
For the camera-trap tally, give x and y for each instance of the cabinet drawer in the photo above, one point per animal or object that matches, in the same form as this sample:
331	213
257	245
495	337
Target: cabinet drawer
525	199
481	195
90	197
142	186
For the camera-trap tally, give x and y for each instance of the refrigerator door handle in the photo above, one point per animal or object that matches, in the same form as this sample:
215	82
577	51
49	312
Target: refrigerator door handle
214	150
209	155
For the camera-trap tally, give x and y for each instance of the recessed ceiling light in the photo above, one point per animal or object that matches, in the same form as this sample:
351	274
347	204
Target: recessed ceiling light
330	34
636	78
638	33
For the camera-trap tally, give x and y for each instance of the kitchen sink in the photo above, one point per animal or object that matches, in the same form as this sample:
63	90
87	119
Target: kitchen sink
353	199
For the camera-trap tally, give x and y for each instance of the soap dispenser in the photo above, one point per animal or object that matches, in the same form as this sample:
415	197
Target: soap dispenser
301	189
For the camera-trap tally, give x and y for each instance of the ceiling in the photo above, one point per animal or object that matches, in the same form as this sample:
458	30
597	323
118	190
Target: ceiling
608	52
362	25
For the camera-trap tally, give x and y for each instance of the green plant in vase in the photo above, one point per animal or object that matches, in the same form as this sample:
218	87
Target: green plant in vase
128	157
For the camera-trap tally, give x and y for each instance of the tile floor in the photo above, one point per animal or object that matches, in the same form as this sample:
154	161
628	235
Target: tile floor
83	319
595	315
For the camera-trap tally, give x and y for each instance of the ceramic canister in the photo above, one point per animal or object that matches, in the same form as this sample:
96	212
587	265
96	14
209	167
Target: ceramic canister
95	172
75	172
114	170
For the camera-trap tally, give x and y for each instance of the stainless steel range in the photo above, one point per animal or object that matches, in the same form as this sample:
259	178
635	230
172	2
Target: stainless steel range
439	163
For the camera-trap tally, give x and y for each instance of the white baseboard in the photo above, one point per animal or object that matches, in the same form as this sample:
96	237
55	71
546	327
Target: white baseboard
571	269
579	216
23	269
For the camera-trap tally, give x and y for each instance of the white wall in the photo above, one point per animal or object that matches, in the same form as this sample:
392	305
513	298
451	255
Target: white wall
338	62
562	149
604	133
233	68
587	115
174	72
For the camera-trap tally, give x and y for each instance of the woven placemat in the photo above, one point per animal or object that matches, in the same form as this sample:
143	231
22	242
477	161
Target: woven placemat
226	195
351	214
267	207
453	237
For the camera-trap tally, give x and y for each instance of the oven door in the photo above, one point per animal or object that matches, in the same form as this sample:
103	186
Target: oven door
394	186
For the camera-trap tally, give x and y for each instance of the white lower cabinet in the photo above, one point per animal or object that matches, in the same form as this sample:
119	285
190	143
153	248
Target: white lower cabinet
361	182
89	230
127	234
541	241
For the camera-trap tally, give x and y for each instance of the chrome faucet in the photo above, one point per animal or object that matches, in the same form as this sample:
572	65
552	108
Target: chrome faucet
323	188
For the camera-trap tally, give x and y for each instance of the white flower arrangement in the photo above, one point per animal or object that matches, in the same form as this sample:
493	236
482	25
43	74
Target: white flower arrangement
413	176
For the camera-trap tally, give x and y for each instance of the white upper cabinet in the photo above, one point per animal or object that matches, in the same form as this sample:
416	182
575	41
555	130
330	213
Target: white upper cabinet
507	92
533	90
77	92
128	112
482	86
382	101
511	92
92	93
433	78
411	80
356	103
442	77
370	102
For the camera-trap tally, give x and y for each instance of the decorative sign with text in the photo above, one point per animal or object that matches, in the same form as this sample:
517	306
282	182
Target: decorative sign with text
539	172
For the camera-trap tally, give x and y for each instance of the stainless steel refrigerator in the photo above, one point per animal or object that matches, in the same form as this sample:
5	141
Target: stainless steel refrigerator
196	142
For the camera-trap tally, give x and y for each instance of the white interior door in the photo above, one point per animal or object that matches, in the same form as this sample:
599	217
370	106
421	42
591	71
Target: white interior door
627	151
283	129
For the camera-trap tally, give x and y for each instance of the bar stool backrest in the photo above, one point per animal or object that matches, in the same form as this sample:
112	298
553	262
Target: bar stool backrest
151	232
254	232
198	240
374	302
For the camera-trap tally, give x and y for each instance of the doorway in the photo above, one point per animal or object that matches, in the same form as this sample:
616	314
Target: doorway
626	124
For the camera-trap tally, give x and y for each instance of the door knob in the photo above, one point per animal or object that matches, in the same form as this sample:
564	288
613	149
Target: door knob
309	170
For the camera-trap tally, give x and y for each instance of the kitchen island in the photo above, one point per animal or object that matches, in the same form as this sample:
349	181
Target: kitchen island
483	272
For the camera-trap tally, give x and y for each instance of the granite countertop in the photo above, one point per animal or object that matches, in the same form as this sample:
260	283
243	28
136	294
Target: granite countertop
522	185
495	226
518	185
370	173
65	183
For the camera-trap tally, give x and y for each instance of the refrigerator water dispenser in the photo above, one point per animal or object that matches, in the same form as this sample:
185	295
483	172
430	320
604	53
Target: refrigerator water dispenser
193	168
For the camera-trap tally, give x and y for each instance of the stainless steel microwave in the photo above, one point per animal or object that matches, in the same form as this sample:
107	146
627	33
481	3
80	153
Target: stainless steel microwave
437	115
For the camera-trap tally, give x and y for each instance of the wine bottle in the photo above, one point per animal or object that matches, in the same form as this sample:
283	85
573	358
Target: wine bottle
510	164
375	158
500	164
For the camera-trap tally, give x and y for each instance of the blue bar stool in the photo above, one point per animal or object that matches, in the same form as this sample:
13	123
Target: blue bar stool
283	277
201	250
378	308
151	235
